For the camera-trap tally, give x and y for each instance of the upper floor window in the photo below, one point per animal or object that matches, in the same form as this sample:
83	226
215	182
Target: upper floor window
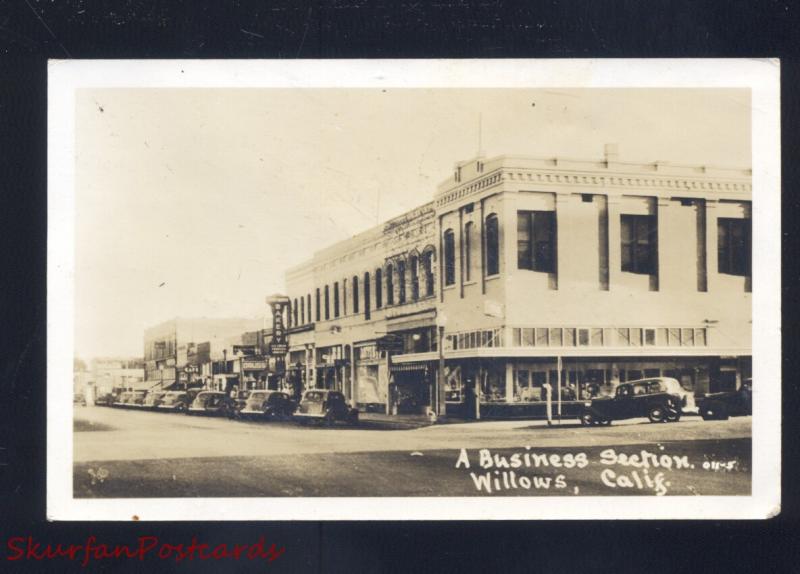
294	313
536	240
366	295
414	263
327	303
355	294
378	288
401	282
733	246
344	296
308	306
639	244
390	284
336	299
468	250
492	245
317	304
302	310
427	269
449	257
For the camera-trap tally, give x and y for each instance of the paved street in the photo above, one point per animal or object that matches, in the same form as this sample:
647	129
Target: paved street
146	454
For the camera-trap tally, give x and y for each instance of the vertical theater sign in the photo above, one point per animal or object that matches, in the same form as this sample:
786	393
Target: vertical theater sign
279	345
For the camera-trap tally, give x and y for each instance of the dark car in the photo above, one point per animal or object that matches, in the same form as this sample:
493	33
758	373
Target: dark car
646	398
175	401
153	399
325	406
137	399
720	406
268	404
213	403
123	399
105	398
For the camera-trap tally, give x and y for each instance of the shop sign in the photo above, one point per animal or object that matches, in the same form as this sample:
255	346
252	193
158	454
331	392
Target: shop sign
244	349
258	365
278	349
390	344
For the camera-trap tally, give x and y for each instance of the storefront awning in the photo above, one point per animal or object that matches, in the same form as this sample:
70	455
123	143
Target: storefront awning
417	366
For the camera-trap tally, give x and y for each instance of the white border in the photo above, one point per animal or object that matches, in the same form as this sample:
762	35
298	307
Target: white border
761	76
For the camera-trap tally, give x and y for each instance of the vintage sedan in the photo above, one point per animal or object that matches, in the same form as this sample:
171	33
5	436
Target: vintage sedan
137	399
720	406
123	398
326	407
153	399
646	398
213	403
269	405
175	401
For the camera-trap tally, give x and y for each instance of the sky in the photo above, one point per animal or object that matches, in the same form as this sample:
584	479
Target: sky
194	202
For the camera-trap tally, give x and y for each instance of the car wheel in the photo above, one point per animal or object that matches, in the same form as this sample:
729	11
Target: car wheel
657	414
588	419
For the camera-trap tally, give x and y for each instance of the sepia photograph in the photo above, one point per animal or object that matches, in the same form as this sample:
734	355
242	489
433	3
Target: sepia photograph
439	289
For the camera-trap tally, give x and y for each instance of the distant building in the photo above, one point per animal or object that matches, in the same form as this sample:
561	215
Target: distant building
182	350
600	270
115	372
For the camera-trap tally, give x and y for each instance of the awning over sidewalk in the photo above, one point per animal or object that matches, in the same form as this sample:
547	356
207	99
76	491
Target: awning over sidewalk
406	367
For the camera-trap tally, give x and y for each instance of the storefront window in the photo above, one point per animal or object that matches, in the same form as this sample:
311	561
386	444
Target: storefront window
493	385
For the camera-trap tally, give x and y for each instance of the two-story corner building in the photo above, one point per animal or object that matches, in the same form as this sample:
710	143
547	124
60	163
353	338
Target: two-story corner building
602	271
357	301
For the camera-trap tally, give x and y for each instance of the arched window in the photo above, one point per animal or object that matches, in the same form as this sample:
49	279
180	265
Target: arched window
427	270
308	306
468	251
449	257
366	296
378	288
390	284
355	294
401	282
327	303
413	262
316	304
294	314
344	296
302	310
492	245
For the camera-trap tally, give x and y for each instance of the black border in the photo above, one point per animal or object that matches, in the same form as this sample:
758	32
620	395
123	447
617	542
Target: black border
32	31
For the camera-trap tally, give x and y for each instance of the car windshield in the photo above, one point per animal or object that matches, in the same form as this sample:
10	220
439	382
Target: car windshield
258	395
314	396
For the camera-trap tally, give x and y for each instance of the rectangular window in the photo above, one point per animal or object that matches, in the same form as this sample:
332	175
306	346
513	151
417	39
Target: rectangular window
583	337
555	338
517	337
468	251
527	337
687	337
449	257
536	240
317	306
569	337
674	337
700	337
650	337
662	337
401	282
327	303
639	244
733	246
636	337
541	337
624	337
597	337
336	299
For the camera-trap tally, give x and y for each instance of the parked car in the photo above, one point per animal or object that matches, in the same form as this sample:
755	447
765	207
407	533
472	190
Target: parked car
79	399
105	397
137	399
268	404
175	401
213	403
720	406
325	406
646	398
123	398
153	399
